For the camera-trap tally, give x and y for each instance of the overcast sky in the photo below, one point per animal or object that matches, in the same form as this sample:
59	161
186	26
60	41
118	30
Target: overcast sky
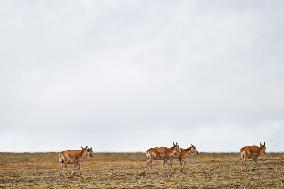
129	75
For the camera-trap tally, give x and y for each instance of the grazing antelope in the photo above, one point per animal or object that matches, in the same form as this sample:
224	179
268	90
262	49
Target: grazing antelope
162	153
74	157
252	152
184	153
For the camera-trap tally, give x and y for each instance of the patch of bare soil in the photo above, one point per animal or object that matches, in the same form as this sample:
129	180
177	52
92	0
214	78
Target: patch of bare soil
127	170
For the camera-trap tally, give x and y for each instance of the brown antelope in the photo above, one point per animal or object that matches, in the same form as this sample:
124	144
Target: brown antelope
185	153
252	152
74	157
162	153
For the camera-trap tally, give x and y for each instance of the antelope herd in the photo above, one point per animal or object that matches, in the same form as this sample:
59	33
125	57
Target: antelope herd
165	154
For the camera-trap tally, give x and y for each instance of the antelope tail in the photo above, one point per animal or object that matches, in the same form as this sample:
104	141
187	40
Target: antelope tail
148	156
60	158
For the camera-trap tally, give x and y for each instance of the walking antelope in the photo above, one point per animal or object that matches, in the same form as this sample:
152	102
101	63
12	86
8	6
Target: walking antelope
252	152
184	153
74	157
162	153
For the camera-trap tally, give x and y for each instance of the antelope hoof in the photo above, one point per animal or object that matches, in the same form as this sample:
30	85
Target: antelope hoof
143	173
75	173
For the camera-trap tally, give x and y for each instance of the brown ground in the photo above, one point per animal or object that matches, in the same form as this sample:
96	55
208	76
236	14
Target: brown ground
125	170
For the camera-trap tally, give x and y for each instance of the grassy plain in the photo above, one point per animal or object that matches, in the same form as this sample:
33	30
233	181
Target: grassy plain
125	170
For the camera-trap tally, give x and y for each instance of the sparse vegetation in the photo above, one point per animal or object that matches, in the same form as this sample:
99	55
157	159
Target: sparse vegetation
125	170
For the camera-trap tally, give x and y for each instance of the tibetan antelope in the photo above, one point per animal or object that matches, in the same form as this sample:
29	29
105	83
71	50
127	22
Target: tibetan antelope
184	154
74	157
252	152
162	153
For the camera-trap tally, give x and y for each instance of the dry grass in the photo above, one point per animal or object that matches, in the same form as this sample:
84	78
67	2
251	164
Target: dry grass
125	170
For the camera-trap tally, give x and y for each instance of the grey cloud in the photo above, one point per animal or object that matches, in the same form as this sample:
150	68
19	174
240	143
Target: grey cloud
127	75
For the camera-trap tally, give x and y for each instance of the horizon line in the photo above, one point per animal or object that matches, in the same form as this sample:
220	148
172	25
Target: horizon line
127	151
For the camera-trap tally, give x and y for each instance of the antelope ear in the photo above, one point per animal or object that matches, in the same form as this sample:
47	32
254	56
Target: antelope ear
191	145
82	148
173	143
264	143
260	144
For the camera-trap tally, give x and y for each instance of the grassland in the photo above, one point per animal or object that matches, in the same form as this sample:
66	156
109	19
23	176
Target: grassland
125	170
